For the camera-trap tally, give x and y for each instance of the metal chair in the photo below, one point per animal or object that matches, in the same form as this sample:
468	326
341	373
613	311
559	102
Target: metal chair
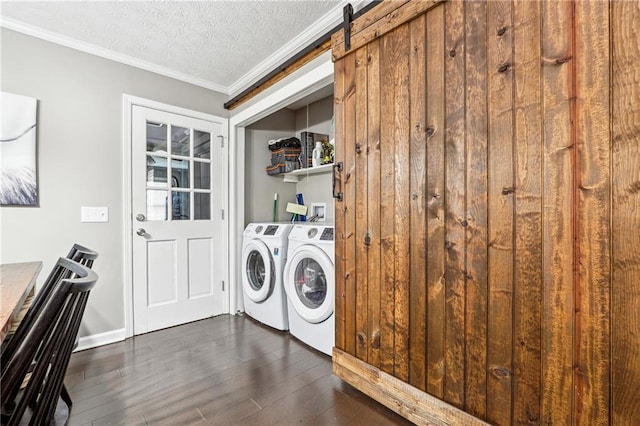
82	255
41	350
86	257
79	254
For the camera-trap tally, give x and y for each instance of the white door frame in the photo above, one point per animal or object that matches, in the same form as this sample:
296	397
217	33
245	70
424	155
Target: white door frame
316	75
128	102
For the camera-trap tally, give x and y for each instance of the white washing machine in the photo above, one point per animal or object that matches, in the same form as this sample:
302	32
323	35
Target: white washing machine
264	253
309	283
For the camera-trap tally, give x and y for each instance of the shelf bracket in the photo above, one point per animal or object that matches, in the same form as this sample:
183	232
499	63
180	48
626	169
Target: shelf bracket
347	13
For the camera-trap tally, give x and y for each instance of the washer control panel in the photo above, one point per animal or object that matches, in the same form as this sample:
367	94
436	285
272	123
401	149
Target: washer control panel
271	230
327	234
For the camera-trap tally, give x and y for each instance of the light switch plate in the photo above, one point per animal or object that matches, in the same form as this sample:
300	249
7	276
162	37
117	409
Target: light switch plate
94	214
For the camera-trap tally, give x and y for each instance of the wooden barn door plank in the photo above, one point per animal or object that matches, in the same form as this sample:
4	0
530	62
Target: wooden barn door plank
527	296
381	11
501	201
475	221
557	311
361	205
349	203
435	99
418	247
591	353
411	403
373	196
401	138
625	292
454	204
388	58
340	260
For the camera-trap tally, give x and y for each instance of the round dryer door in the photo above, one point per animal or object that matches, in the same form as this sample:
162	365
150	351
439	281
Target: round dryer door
310	284
259	271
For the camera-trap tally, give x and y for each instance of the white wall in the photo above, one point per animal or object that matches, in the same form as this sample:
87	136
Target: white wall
79	158
260	187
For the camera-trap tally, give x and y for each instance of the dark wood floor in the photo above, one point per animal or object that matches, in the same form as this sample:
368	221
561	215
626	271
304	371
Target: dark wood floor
224	370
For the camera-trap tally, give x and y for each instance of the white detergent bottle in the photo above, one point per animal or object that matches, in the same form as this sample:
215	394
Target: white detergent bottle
316	159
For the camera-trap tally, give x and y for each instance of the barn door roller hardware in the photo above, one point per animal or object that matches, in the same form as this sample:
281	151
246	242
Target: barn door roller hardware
347	13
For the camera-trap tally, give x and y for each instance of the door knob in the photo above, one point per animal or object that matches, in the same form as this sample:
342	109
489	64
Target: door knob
141	232
140	217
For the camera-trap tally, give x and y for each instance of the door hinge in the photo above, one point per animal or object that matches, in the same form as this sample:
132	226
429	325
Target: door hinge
222	212
221	141
222	285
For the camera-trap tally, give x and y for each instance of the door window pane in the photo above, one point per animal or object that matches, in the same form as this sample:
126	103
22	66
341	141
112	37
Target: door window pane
157	204
201	206
172	153
156	171
201	175
156	137
180	205
201	144
180	141
310	283
179	173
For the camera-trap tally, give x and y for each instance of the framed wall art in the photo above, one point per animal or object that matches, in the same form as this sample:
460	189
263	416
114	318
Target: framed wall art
18	161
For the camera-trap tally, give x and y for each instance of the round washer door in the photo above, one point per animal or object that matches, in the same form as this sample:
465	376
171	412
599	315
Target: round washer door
310	284
258	270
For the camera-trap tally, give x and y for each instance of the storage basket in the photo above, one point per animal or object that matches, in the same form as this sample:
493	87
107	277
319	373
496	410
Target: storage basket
274	170
283	155
287	166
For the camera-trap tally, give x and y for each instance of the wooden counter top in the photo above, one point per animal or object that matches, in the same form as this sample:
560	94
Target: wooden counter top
17	280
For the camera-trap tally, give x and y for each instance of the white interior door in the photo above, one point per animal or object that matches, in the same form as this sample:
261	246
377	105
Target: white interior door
177	195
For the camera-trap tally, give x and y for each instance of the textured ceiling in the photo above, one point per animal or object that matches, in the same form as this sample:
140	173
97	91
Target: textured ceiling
214	41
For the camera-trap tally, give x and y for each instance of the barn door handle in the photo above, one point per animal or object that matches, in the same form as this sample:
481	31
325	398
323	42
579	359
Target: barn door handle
337	168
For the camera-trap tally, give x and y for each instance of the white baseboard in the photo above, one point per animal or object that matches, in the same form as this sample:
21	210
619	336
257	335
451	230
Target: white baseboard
100	339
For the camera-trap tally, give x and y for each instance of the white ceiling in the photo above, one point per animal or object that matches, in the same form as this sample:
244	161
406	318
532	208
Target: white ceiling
222	45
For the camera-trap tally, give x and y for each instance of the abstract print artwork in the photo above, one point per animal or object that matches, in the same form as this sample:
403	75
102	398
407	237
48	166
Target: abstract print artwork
18	178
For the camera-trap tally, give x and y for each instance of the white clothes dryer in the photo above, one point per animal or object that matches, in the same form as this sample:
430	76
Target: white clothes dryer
309	284
264	253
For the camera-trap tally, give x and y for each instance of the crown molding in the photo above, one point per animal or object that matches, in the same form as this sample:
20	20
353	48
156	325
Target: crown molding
72	43
312	33
305	38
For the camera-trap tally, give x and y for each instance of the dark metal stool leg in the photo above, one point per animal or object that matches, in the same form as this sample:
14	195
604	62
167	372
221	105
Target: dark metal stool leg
64	394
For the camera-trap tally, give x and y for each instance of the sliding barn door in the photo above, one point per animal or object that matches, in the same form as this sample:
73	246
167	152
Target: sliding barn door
483	242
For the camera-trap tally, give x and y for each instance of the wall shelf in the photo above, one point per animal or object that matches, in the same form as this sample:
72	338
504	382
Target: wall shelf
295	175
